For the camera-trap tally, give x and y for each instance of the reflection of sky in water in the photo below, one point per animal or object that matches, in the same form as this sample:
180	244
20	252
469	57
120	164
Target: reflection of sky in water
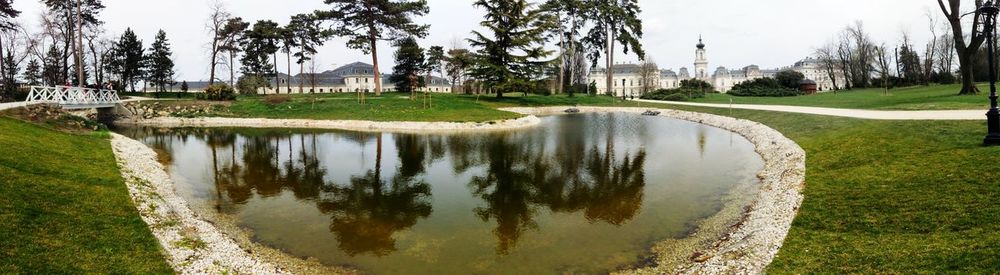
581	193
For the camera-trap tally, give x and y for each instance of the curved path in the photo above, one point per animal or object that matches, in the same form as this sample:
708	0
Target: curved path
851	113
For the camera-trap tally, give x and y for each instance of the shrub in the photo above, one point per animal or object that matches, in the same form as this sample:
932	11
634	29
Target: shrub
277	99
681	94
764	87
790	79
696	84
219	92
250	84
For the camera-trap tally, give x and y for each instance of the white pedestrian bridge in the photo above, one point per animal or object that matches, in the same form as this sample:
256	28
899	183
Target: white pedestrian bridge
73	97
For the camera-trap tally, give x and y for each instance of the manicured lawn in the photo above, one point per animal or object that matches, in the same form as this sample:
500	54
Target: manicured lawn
65	209
890	197
936	97
388	107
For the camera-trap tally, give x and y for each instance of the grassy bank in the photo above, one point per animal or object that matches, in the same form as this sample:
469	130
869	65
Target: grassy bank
936	97
890	197
65	209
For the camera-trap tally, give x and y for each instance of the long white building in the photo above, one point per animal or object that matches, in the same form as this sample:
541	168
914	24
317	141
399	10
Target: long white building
628	79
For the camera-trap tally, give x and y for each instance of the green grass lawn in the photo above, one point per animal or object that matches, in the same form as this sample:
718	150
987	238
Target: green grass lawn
936	97
65	209
881	196
388	107
890	196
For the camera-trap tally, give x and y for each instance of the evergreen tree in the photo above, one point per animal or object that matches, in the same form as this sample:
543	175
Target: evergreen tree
614	21
457	65
261	43
509	57
309	35
231	37
159	62
409	67
7	12
33	73
131	56
51	75
10	72
365	22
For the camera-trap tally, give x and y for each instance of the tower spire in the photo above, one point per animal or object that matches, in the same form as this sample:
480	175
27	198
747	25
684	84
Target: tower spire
700	44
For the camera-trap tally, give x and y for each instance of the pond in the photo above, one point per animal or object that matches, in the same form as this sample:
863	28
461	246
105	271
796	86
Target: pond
582	193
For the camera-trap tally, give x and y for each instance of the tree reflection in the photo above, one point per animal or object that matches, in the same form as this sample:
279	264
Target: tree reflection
574	168
367	213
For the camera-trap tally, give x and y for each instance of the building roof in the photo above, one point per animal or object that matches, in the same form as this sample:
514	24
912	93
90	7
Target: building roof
333	77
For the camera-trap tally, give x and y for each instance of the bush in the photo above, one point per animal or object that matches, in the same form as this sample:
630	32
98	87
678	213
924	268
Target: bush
277	99
766	86
681	94
790	79
250	84
696	84
218	92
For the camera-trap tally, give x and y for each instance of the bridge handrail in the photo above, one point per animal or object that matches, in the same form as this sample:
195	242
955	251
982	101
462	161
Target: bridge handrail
66	95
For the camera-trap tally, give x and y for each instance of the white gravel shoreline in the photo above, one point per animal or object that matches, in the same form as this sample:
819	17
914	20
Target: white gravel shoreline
742	241
350	125
192	245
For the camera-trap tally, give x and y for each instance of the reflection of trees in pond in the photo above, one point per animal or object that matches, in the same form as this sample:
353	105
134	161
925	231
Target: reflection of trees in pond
366	214
521	175
515	175
506	190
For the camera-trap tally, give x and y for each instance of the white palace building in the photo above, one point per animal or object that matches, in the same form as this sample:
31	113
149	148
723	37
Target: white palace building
628	80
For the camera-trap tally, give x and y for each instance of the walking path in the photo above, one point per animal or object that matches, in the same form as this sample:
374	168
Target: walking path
852	113
12	105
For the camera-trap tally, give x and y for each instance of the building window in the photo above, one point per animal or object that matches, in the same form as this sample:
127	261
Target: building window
320	90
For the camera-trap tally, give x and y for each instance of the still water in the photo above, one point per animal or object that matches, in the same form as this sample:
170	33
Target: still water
584	193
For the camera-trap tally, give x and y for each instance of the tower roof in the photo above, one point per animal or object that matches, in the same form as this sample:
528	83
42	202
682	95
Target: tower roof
700	45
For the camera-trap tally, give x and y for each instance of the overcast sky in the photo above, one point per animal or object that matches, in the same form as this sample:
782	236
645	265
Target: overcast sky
769	33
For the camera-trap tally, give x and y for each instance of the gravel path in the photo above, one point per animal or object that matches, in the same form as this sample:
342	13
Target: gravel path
852	113
12	105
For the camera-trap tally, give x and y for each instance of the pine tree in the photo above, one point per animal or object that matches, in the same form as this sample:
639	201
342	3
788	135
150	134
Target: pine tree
7	12
508	58
132	57
51	75
366	22
614	21
230	40
409	67
68	11
309	35
33	73
159	62
261	43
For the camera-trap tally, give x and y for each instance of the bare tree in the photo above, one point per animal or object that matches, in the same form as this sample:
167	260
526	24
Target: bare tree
930	52
966	51
827	56
217	19
862	55
648	72
844	56
883	66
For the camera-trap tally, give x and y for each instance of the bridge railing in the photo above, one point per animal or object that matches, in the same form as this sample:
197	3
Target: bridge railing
72	96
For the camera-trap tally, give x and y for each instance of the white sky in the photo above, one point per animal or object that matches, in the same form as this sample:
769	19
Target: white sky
769	33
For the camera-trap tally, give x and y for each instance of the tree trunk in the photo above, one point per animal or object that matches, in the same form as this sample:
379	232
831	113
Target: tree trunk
79	46
611	63
562	56
232	69
277	79
378	76
288	78
968	76
215	55
302	70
